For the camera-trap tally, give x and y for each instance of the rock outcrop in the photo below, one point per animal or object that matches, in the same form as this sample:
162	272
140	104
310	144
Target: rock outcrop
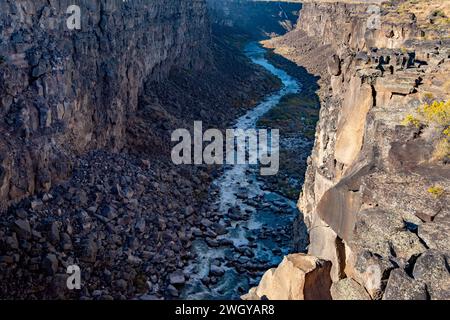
297	277
376	197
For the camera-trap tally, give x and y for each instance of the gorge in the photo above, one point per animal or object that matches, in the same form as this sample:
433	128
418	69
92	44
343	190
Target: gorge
358	210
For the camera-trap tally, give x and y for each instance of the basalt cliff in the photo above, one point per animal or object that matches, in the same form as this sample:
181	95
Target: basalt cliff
63	89
376	196
85	123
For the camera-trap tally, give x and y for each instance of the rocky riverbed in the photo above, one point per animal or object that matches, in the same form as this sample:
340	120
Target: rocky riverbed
253	225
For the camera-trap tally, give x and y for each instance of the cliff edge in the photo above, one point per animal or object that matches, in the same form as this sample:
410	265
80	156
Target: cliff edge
376	196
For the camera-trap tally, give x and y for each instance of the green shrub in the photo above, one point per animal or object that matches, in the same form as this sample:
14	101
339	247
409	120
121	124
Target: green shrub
437	113
428	96
410	119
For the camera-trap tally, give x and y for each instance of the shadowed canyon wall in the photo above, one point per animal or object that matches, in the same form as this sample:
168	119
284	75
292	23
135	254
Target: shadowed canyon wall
65	92
86	118
258	19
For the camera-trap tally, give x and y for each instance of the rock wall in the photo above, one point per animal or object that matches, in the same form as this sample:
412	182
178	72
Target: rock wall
66	92
257	19
368	199
98	106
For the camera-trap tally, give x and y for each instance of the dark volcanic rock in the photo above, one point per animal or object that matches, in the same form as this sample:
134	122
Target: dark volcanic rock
23	229
400	286
216	271
50	264
177	278
432	268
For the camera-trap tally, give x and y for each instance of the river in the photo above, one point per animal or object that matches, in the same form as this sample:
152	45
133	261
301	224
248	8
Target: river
259	222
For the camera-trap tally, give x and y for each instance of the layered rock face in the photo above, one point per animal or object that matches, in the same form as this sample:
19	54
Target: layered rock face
258	19
376	196
87	81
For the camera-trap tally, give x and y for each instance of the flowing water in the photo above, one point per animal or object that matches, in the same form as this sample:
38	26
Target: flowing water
259	221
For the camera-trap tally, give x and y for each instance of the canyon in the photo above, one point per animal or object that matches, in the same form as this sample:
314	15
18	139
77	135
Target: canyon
359	209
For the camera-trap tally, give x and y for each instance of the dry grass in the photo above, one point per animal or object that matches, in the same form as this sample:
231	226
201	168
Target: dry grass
431	15
441	151
446	87
425	8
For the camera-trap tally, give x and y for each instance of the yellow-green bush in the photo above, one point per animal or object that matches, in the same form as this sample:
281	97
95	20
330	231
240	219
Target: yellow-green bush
437	116
437	113
436	191
410	119
446	132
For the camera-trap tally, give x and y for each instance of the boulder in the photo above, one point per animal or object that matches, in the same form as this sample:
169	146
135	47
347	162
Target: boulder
54	232
383	233
177	278
216	271
251	295
50	264
297	277
36	204
400	286
108	212
89	250
325	244
22	228
172	291
348	289
396	84
368	269
432	268
436	236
